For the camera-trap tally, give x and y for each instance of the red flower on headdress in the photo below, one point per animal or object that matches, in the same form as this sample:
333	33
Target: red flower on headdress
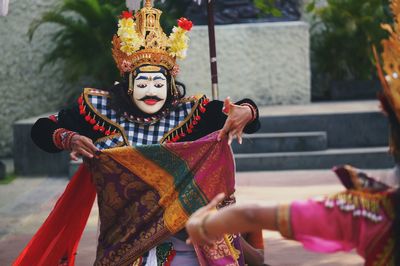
126	14
175	70
185	24
126	66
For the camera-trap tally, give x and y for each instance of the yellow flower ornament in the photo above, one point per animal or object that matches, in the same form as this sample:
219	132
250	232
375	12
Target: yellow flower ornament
140	40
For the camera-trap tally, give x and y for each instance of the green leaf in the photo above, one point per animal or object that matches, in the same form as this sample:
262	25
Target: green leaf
276	12
341	34
310	6
8	179
83	43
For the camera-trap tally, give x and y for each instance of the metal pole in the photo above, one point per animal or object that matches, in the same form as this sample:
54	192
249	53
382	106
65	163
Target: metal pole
213	50
4	7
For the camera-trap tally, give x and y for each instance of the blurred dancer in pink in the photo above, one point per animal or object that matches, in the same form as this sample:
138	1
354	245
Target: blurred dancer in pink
364	217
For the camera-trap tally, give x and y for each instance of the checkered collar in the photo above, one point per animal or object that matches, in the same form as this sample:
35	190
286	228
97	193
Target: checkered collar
132	133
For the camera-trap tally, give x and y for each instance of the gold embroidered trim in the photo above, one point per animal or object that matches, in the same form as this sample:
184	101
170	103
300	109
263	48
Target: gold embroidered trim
363	203
89	91
175	217
97	92
138	262
199	99
196	97
229	242
283	221
150	69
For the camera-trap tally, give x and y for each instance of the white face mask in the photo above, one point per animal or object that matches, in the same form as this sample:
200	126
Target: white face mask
150	92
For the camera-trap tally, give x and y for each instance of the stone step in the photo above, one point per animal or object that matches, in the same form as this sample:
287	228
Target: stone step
29	160
2	170
73	167
281	142
9	164
368	158
347	124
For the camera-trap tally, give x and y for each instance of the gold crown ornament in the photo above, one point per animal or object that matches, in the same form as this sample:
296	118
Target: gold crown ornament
389	67
140	40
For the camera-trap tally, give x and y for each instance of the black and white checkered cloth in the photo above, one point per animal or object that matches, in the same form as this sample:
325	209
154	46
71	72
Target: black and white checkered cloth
139	134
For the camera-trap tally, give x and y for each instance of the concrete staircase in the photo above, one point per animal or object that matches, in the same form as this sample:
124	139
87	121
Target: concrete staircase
29	160
317	136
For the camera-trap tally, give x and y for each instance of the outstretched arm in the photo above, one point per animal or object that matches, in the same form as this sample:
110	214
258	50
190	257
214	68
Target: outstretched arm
205	225
340	222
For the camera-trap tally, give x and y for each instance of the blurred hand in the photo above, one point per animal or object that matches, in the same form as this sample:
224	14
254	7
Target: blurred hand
196	225
238	117
82	146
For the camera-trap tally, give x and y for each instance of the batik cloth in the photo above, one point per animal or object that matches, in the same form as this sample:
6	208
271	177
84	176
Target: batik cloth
147	193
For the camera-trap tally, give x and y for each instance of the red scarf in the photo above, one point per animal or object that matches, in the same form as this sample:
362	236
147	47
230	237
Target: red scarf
56	239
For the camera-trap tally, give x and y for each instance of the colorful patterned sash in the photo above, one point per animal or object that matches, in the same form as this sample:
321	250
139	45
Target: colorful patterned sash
147	193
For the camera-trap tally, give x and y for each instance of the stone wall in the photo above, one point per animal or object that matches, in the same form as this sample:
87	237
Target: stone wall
268	62
24	90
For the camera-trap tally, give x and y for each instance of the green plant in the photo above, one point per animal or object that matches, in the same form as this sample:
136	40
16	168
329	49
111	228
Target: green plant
267	7
8	179
83	39
85	29
342	36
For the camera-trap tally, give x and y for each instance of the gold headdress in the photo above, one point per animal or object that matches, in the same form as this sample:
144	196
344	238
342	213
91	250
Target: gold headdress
388	67
389	70
140	40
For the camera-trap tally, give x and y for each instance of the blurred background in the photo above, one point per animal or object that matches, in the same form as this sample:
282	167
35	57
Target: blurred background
308	64
311	51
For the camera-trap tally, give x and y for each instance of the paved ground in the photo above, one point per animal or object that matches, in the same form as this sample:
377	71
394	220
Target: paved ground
26	202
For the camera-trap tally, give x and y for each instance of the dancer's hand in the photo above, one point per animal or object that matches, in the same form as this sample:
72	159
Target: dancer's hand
82	146
238	117
197	225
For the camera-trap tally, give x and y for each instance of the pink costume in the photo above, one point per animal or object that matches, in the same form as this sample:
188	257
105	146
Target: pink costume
358	218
